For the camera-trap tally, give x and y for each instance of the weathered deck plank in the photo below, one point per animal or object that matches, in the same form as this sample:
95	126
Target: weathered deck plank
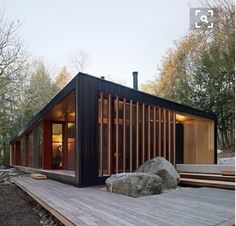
93	206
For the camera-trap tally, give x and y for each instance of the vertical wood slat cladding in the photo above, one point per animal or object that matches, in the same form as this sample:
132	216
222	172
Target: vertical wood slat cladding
143	133
137	134
149	131
117	133
164	133
154	133
131	135
169	133
174	138
124	135
159	131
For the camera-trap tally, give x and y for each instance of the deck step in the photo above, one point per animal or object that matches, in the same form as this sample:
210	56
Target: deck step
207	183
228	172
207	176
204	168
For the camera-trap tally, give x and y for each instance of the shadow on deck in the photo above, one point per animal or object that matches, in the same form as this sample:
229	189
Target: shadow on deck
66	176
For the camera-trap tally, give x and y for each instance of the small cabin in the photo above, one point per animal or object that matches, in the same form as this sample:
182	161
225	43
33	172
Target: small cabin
94	128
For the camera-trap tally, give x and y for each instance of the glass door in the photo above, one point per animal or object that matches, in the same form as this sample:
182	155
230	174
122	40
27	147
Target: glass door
57	145
71	146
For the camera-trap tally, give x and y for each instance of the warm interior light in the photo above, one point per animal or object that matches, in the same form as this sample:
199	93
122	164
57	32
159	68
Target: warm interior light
71	125
57	138
72	114
182	118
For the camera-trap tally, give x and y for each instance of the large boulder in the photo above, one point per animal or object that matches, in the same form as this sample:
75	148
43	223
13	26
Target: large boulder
163	168
134	184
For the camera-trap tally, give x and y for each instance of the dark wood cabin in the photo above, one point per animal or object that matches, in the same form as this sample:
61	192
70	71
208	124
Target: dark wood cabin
94	128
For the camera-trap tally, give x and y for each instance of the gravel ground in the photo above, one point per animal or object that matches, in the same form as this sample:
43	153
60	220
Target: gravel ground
15	209
19	209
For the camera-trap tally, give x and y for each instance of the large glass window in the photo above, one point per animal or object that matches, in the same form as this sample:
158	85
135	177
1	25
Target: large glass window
57	138
37	146
23	151
71	146
62	136
29	149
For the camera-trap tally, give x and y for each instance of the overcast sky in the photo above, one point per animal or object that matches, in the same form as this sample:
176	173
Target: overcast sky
119	36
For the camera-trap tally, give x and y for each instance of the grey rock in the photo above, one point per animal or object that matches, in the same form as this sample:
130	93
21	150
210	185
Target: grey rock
134	184
12	174
163	168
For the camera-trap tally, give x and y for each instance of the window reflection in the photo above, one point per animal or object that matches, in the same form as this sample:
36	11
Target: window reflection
71	146
57	145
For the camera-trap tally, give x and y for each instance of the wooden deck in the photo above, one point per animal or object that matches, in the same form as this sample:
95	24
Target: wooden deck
69	173
204	168
93	206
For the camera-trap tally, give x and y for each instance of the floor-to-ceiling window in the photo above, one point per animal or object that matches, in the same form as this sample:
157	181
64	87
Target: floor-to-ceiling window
62	134
50	144
71	146
57	145
29	148
37	146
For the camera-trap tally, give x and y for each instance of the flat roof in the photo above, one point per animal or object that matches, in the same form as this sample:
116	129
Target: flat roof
72	85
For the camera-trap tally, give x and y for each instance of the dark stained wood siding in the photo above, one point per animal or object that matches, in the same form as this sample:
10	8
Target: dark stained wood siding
88	131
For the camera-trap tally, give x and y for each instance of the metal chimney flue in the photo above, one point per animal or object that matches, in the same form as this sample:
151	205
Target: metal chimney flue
135	80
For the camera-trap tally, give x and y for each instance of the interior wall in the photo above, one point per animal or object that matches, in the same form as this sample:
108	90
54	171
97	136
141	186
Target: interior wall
198	141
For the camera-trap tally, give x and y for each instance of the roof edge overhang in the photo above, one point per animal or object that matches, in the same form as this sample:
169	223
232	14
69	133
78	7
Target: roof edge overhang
56	99
162	102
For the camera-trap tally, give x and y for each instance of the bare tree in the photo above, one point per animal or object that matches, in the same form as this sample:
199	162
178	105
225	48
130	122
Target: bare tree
224	11
13	58
13	74
62	78
79	61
